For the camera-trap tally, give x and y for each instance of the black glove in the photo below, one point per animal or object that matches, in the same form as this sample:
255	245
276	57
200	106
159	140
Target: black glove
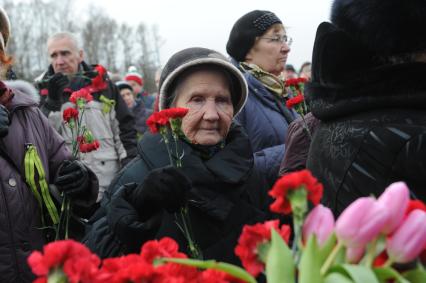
55	87
73	178
125	222
163	188
4	121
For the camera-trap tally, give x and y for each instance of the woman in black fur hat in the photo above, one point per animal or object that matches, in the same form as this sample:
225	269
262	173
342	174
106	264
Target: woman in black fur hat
369	91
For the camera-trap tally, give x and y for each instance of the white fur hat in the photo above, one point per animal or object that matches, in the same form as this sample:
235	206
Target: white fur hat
4	29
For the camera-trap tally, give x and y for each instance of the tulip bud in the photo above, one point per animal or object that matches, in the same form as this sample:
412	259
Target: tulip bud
409	239
355	254
361	222
320	222
395	198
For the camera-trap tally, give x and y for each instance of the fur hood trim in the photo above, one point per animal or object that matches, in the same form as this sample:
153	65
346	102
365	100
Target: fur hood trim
21	87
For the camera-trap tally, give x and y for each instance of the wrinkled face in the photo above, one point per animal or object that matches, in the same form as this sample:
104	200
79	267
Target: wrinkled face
64	55
269	54
128	97
137	88
207	95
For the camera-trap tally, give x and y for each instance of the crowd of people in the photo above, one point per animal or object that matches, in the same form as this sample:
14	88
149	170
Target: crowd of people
366	129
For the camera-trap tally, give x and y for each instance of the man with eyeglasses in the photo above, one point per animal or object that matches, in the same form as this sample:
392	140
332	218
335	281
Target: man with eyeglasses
259	46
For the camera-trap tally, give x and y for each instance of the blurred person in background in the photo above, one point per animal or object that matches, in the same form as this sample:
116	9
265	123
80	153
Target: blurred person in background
289	72
305	71
135	79
107	116
137	107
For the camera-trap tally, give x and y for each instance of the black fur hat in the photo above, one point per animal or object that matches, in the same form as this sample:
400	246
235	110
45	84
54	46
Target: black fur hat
385	27
246	29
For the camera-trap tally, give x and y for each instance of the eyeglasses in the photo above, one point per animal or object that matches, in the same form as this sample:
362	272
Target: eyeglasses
279	39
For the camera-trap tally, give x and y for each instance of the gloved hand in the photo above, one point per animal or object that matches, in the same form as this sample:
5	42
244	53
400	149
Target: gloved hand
4	121
163	188
73	178
55	87
125	222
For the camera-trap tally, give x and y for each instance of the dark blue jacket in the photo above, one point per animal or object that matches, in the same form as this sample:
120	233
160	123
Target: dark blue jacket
265	119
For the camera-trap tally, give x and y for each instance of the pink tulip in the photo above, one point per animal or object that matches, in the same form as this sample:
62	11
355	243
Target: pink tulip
361	222
320	222
409	239
395	198
354	255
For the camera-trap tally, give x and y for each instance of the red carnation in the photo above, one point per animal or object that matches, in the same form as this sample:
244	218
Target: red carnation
88	147
166	247
415	204
294	181
76	260
295	101
302	80
291	82
98	83
217	276
157	120
129	268
81	96
381	259
70	113
253	236
175	273
175	113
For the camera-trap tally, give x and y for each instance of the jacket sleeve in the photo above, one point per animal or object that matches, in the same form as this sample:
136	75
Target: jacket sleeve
116	228
268	162
126	123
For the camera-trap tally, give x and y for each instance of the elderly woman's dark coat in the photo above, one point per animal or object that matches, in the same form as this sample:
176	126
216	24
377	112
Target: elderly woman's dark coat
373	121
226	194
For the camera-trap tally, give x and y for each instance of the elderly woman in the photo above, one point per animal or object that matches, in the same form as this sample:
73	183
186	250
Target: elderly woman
259	45
217	181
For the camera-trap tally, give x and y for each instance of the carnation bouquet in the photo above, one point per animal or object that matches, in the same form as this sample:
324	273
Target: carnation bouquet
297	102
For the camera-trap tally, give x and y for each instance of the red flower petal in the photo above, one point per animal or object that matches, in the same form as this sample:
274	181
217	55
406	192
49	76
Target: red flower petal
251	238
294	181
166	247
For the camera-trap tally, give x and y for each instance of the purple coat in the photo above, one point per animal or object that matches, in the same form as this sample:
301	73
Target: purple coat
20	218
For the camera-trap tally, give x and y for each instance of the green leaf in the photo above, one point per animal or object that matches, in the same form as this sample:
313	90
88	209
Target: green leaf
416	276
337	278
385	273
326	249
233	270
358	273
279	263
310	263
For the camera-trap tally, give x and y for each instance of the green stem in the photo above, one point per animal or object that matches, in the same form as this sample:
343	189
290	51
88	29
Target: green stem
61	217
330	259
297	238
67	217
371	253
388	263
